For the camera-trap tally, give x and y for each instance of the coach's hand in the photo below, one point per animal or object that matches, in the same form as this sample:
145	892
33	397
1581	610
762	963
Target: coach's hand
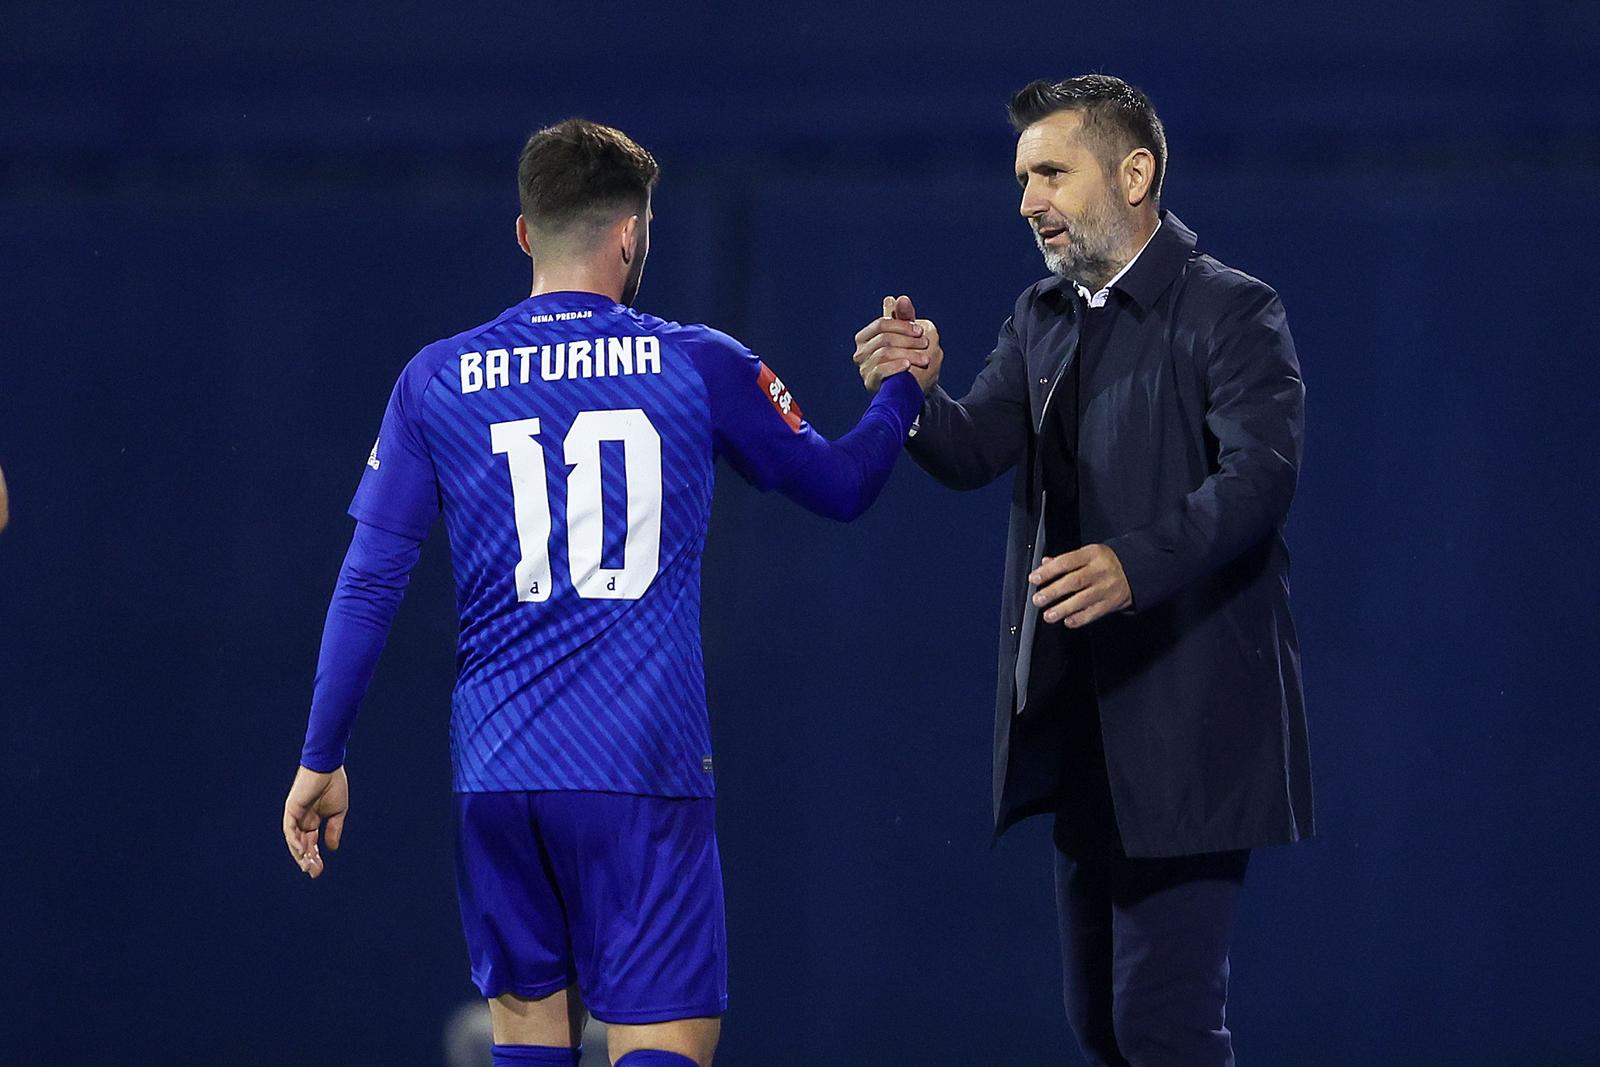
1079	587
897	342
315	795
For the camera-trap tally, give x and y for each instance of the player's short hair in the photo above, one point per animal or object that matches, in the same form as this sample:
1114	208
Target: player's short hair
1117	117
580	173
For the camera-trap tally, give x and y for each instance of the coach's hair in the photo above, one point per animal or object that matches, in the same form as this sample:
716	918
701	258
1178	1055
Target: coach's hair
1117	117
578	173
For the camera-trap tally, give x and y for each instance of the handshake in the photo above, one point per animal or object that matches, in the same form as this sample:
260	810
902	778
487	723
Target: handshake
1074	588
897	342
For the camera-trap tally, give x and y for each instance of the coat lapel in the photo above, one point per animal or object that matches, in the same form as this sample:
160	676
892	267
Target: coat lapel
1050	352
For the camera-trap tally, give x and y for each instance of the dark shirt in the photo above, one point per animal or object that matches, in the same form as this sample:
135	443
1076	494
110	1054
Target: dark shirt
1062	657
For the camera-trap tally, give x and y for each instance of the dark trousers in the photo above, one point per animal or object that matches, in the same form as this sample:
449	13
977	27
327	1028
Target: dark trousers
1144	942
1144	954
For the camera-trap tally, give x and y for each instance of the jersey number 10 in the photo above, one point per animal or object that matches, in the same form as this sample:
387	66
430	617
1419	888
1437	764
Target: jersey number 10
530	501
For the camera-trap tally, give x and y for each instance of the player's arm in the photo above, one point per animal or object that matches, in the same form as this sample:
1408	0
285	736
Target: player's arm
841	479
394	507
760	430
371	584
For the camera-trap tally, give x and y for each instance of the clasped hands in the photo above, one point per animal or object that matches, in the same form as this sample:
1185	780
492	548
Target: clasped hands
1074	588
899	341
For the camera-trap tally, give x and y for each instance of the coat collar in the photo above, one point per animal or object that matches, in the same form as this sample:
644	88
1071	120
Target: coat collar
1160	263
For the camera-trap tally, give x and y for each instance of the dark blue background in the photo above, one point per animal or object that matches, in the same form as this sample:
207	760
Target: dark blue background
224	230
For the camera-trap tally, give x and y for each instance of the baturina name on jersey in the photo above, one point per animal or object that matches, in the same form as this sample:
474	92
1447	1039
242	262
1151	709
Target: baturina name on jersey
601	357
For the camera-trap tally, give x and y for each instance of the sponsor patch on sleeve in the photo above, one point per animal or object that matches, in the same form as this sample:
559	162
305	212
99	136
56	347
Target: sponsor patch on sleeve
781	399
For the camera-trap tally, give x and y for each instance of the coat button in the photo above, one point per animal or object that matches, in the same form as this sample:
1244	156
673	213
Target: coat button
1044	381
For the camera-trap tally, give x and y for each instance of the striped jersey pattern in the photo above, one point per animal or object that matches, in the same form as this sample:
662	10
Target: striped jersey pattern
570	445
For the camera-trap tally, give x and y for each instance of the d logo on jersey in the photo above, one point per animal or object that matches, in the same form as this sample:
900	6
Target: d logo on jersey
778	393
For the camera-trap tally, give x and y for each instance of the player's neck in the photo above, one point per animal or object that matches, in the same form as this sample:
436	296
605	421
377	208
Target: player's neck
576	278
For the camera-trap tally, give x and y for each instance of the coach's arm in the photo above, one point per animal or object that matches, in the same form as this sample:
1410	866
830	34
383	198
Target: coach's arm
1256	412
966	443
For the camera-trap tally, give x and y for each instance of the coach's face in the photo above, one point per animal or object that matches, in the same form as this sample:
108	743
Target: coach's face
1080	221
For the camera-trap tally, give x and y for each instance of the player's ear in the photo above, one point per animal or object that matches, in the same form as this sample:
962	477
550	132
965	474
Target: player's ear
522	237
1138	176
630	238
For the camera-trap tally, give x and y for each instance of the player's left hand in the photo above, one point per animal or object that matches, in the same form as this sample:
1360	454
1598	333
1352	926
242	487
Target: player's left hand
315	795
1079	587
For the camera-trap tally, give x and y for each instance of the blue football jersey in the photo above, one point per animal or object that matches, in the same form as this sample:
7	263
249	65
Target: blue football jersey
570	444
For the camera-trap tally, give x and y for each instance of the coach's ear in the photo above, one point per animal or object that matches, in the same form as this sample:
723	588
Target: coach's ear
522	237
1138	176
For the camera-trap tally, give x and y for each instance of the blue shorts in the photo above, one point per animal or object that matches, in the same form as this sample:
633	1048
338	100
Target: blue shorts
618	894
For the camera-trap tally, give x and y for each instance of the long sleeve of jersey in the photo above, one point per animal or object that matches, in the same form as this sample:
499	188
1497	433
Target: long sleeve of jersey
371	583
841	479
759	429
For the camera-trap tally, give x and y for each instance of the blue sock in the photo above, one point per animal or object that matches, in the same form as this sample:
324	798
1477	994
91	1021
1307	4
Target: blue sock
653	1057
536	1056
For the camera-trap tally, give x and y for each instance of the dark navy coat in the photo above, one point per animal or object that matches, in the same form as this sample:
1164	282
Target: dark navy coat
1189	450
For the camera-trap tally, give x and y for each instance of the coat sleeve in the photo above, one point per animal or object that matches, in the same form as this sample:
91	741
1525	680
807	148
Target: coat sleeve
1255	409
968	443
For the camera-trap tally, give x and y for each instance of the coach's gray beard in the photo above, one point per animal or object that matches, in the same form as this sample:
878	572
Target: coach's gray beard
1094	242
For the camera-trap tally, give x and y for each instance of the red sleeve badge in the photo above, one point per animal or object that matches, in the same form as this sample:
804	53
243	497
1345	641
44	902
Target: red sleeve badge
781	399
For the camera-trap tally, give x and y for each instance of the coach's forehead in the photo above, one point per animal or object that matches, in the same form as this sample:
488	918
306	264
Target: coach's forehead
1058	137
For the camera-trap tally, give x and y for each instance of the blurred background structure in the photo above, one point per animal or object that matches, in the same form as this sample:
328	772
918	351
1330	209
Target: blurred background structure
224	229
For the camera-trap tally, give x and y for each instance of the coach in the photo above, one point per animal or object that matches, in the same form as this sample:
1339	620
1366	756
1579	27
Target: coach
1149	695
